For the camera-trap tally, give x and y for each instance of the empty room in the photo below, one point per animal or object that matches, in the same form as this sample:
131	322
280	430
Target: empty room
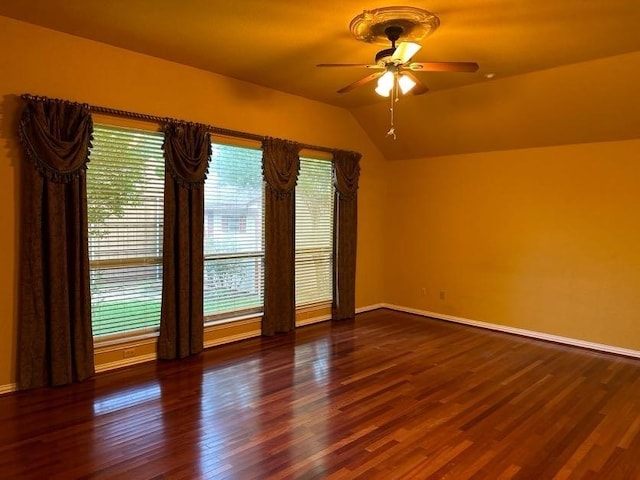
278	239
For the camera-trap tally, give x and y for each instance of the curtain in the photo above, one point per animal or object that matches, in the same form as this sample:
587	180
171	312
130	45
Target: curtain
346	168
55	342
280	165
187	151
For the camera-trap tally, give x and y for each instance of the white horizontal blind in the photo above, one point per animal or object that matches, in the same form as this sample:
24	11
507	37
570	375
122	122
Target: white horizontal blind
314	232
125	185
233	232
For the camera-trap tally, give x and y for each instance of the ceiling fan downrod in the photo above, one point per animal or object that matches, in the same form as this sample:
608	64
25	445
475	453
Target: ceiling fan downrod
393	33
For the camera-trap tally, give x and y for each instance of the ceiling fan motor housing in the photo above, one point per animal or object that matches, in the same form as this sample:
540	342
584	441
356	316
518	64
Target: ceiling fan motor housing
384	55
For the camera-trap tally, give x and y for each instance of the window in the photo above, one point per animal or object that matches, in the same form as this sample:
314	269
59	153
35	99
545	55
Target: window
125	185
234	223
233	237
125	190
314	232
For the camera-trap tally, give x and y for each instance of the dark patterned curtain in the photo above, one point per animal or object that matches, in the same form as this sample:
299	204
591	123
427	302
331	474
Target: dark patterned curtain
187	151
346	168
280	165
55	342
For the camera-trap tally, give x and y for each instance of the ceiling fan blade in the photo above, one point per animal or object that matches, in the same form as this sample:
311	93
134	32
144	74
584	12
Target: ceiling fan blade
362	81
364	65
443	67
419	88
405	51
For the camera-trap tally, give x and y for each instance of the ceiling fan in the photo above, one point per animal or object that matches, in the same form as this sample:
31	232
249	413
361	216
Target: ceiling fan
395	68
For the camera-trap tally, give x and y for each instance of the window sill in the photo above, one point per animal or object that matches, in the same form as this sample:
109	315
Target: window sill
235	319
118	339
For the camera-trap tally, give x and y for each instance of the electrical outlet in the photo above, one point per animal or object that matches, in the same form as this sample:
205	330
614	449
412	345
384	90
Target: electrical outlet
442	295
129	352
423	291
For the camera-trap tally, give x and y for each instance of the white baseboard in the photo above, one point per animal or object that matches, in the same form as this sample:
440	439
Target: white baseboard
518	331
12	387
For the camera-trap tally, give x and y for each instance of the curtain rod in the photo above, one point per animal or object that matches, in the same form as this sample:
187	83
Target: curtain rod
162	120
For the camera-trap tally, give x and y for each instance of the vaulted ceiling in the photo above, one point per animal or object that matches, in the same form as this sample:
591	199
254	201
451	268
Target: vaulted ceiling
528	46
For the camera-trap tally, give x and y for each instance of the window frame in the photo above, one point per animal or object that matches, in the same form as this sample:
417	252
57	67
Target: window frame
316	156
244	313
128	262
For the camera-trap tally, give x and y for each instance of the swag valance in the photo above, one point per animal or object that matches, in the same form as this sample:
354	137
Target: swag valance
56	136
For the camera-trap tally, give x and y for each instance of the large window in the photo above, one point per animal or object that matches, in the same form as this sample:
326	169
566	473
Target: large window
125	182
314	232
233	233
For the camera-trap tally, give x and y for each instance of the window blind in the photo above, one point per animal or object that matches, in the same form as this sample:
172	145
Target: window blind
233	232
125	185
314	232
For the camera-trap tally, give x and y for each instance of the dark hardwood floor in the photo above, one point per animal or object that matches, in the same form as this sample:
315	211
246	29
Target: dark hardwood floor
388	396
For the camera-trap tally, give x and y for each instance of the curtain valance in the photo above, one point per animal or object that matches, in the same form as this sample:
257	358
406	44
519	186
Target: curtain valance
56	136
280	164
187	149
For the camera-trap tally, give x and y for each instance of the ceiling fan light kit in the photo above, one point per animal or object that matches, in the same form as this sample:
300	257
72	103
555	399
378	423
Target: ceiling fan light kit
390	24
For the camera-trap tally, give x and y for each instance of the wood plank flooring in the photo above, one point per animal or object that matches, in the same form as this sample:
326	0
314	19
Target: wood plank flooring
389	396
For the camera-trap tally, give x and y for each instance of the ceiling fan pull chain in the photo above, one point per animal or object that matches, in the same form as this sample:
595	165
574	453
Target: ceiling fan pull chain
392	97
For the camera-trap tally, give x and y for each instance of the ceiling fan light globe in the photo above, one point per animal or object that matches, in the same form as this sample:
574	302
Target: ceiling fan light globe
386	80
406	84
382	91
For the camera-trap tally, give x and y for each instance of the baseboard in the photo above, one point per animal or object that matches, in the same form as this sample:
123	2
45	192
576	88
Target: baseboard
231	338
368	308
126	362
324	318
10	387
311	321
518	331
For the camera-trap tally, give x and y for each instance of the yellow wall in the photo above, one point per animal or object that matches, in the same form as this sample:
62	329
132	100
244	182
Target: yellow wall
544	239
40	61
